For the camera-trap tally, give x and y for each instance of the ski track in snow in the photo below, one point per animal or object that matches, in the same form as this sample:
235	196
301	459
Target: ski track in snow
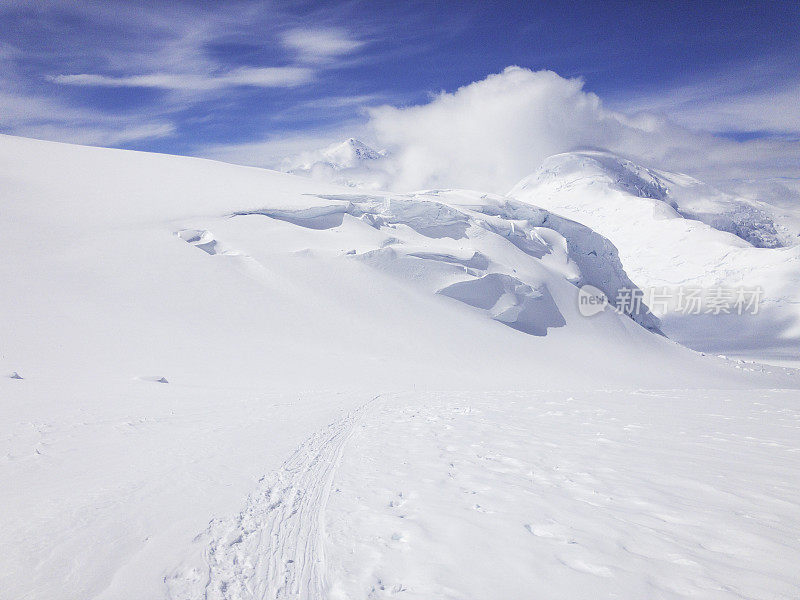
273	548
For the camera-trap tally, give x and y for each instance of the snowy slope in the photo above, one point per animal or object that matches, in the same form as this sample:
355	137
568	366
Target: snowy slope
669	495
673	232
214	274
274	307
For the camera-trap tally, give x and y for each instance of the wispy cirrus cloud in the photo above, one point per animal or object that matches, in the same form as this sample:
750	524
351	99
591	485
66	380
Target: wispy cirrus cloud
98	134
763	110
47	118
320	45
244	76
760	97
117	73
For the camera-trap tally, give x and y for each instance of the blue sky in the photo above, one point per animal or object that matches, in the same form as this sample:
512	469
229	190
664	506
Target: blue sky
183	76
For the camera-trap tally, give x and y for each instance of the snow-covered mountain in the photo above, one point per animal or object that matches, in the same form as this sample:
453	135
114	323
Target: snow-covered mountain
351	153
759	224
348	154
227	382
350	163
675	235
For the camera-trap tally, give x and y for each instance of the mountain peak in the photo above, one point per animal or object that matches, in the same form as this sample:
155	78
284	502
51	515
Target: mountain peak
350	151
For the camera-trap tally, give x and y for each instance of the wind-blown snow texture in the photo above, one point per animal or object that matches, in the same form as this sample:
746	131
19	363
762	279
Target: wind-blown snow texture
173	328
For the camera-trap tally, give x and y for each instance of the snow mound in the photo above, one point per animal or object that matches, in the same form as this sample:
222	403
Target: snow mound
290	272
509	301
755	222
199	238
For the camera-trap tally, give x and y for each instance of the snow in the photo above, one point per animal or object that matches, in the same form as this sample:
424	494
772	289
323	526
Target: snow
758	223
553	495
228	376
638	494
674	232
105	485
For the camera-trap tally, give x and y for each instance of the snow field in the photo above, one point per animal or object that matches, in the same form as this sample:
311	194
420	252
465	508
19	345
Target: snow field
669	494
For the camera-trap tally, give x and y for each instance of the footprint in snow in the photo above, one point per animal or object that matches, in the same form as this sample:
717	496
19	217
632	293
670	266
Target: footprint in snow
397	501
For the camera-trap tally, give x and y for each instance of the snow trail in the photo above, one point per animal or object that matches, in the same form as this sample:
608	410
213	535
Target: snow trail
274	547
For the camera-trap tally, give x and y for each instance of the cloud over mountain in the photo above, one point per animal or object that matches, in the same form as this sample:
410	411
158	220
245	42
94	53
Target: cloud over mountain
491	133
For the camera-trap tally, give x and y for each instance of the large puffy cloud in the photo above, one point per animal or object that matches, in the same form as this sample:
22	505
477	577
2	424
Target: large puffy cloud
491	133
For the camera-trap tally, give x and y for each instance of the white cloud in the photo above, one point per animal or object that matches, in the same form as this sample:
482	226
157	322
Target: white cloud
491	133
333	102
317	45
713	108
45	118
97	135
160	46
245	76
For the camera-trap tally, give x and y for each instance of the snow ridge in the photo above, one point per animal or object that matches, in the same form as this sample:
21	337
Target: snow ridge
459	221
